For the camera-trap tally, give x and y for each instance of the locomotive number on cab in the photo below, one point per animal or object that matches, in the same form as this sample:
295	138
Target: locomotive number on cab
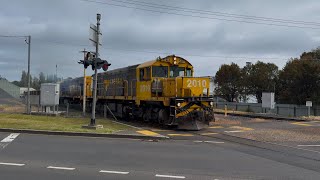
196	83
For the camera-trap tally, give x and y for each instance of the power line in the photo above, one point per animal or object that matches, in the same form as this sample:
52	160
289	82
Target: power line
164	53
8	36
202	17
216	13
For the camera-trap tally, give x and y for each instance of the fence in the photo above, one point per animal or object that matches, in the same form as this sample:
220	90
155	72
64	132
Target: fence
291	110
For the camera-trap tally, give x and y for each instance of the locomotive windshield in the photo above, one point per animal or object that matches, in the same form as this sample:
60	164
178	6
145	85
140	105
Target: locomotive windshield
159	71
176	71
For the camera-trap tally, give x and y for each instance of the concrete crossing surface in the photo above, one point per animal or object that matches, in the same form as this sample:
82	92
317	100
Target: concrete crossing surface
60	157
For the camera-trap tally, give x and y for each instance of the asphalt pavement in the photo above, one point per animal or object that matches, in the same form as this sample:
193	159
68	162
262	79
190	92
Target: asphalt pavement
59	157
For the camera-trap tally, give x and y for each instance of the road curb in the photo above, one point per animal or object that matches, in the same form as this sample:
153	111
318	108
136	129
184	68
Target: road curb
264	117
61	133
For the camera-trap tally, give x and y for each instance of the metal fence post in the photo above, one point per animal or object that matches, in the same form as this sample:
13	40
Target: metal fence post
225	110
294	111
105	111
67	109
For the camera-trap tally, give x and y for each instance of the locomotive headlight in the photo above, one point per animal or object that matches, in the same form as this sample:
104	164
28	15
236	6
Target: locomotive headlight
178	104
211	103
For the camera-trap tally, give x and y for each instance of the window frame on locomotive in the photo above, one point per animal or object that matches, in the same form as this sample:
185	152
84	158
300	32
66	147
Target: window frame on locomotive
146	73
187	72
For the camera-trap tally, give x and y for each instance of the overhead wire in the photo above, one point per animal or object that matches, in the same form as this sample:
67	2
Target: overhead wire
12	36
202	17
158	52
216	13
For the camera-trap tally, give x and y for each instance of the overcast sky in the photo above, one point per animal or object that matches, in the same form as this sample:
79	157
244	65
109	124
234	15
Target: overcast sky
133	33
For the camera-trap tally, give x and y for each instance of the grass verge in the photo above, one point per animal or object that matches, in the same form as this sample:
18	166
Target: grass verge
21	121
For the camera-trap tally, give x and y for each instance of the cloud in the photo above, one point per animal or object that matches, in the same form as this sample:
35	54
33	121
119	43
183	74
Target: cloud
60	29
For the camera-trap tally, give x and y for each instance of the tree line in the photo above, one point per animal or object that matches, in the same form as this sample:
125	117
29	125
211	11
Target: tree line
297	82
35	82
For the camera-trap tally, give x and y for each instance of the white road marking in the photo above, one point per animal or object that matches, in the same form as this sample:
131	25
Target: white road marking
11	164
233	131
198	141
310	145
10	138
216	142
113	172
170	176
61	168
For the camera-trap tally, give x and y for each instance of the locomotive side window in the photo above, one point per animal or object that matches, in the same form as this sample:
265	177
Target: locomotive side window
176	71
189	72
145	74
141	74
159	71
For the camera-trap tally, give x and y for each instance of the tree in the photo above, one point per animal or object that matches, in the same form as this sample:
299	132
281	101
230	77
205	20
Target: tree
1	77
24	79
42	78
260	77
35	83
228	80
300	81
17	83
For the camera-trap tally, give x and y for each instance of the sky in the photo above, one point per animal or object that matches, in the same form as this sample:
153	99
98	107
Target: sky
208	33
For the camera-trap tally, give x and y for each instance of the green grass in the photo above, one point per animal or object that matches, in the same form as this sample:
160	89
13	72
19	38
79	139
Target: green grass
21	121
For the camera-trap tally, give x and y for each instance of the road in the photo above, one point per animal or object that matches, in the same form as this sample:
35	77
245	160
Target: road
25	156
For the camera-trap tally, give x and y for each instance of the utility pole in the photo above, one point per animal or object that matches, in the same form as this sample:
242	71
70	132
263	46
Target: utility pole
28	98
56	73
93	115
84	85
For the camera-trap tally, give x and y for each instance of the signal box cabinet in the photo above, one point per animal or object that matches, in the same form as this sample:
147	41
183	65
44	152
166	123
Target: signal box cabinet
49	94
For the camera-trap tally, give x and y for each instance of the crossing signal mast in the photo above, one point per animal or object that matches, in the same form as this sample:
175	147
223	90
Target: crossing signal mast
96	63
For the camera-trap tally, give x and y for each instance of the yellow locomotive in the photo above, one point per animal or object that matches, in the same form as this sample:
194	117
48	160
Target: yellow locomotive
162	90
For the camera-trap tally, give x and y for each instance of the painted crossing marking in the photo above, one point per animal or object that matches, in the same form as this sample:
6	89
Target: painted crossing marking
214	142
309	145
216	127
170	176
61	168
10	138
198	141
301	124
233	131
241	128
11	164
204	134
113	172
148	133
183	135
7	140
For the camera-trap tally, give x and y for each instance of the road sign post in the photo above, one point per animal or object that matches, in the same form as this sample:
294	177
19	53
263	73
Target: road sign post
309	105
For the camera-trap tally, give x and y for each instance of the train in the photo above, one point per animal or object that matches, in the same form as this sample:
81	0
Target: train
163	90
